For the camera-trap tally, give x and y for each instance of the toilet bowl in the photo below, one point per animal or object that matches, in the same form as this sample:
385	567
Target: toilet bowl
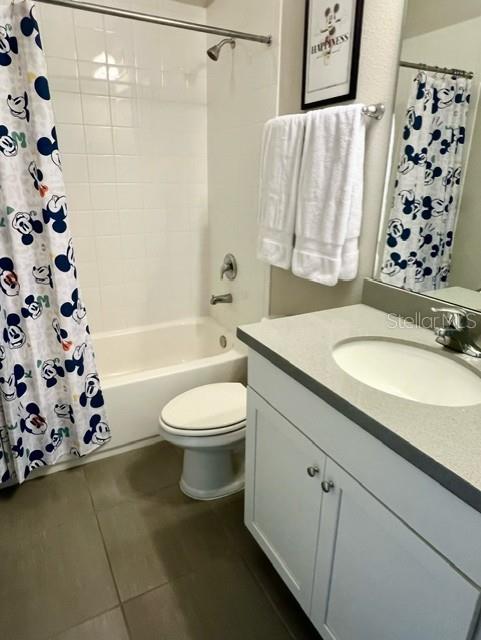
209	423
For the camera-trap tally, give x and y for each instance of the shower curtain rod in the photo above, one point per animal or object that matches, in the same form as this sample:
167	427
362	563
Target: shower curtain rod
166	22
428	67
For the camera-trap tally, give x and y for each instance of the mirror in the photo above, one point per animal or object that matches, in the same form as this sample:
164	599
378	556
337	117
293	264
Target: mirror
431	226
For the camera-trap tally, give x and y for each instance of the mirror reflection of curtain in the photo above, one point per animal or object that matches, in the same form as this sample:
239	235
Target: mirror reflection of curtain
426	196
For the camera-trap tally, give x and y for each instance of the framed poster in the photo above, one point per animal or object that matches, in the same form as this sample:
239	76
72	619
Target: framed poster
332	42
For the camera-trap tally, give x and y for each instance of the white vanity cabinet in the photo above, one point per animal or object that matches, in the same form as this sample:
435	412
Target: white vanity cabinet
357	568
377	579
284	506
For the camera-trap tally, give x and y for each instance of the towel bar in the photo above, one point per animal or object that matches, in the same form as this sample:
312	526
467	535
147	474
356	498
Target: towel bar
376	111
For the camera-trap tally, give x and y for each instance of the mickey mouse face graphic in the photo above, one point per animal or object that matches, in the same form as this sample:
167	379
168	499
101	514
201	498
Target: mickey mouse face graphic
31	309
99	431
8	46
332	18
18	449
37	177
8	146
66	261
51	371
43	275
62	335
8	278
13	387
32	422
36	461
26	225
74	309
13	333
92	394
56	212
64	411
56	439
397	232
49	147
77	360
19	106
29	25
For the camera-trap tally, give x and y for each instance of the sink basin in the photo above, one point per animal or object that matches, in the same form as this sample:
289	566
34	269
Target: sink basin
409	371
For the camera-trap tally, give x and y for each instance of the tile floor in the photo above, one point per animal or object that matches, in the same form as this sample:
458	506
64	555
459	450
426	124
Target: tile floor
113	550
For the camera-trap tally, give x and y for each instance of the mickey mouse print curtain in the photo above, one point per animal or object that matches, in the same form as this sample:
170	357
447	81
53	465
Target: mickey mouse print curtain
427	188
51	404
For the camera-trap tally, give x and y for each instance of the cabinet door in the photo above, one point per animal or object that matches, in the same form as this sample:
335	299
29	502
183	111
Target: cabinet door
377	580
282	500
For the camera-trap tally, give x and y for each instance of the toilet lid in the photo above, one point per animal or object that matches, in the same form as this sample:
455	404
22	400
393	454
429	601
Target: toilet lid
211	406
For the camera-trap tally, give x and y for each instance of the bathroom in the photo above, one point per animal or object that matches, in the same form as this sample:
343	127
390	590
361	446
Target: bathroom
202	440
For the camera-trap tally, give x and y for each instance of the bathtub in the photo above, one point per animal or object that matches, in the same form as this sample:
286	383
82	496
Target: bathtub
142	369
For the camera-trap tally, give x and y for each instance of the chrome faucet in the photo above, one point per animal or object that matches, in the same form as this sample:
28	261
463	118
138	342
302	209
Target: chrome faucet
224	299
457	335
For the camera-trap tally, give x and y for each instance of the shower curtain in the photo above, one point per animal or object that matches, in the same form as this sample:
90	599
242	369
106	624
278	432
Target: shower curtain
422	220
51	404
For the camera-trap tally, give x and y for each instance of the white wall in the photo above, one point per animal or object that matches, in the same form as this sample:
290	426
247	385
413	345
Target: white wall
377	77
429	15
242	95
133	138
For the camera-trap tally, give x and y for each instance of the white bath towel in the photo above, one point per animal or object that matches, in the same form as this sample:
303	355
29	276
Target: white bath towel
282	144
329	211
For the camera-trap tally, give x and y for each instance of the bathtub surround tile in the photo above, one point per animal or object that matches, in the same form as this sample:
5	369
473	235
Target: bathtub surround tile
78	195
64	74
54	580
67	107
159	538
91	44
106	223
71	138
104	196
107	626
96	109
101	168
128	476
99	140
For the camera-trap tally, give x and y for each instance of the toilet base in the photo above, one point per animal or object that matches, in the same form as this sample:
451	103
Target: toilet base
209	474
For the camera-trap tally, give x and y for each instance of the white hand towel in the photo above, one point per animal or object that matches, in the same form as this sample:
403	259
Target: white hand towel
282	144
329	211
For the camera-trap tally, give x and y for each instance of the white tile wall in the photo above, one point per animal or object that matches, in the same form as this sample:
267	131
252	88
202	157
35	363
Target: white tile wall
130	108
242	95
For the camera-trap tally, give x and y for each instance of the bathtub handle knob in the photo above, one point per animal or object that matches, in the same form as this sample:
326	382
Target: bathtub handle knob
229	267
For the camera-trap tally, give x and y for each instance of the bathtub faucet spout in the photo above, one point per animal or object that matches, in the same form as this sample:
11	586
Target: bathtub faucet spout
225	299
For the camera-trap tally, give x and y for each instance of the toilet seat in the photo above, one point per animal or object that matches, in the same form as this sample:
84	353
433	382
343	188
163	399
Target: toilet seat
209	410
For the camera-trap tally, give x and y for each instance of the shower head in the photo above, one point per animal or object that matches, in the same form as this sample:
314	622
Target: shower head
214	52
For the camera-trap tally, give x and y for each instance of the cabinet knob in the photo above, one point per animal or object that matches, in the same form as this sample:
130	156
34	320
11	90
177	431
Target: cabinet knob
312	471
327	485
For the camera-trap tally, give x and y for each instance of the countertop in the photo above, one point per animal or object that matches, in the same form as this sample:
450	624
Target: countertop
444	442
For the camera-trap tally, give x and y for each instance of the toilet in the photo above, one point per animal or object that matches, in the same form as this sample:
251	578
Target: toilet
209	423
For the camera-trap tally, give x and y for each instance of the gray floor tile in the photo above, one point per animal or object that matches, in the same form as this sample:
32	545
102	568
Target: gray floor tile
55	580
107	626
165	613
134	474
40	504
231	513
221	602
157	539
